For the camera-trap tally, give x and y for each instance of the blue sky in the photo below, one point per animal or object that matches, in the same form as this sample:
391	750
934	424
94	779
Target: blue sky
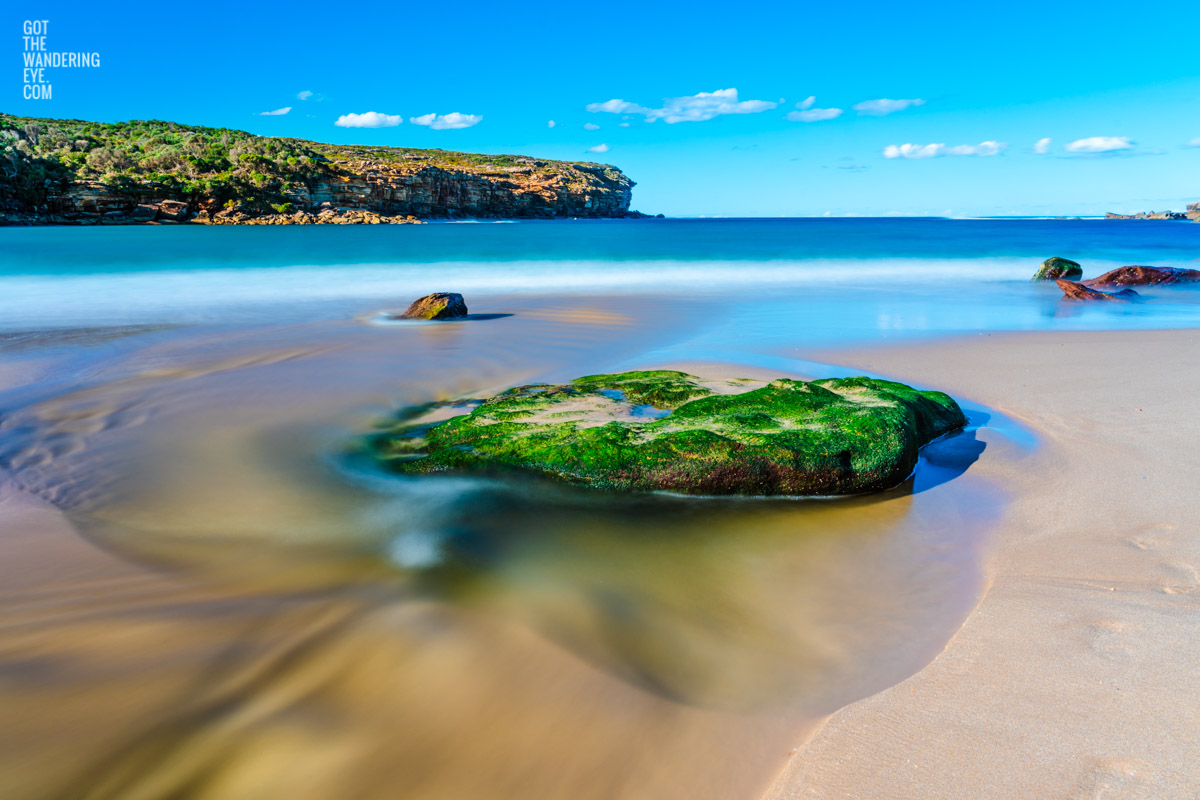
1116	84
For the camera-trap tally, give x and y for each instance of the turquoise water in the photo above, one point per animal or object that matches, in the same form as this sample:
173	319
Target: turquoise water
823	279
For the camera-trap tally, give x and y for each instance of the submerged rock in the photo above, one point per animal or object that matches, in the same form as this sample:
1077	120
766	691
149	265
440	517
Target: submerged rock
670	431
439	305
1077	291
1143	276
1056	268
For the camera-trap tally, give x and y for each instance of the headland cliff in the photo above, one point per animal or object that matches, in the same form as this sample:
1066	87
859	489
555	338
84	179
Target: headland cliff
77	172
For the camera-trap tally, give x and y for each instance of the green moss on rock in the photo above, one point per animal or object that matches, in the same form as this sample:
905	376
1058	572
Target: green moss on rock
670	431
1056	268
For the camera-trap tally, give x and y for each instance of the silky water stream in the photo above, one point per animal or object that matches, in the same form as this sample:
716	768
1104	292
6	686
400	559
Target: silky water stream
252	611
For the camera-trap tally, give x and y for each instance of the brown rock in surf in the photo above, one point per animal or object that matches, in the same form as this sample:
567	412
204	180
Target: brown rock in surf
1078	292
439	305
1143	276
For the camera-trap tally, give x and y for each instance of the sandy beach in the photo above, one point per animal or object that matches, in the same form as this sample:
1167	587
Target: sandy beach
201	593
1076	675
198	588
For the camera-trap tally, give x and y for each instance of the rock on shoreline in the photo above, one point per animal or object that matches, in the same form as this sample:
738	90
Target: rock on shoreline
1079	292
1192	213
1054	268
1068	275
670	431
1143	276
1175	215
324	216
439	305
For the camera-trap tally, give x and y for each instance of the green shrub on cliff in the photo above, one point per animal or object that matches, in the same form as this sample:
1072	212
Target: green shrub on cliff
213	168
188	161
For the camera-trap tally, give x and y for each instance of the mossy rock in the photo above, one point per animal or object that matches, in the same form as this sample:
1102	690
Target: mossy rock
439	305
1055	269
670	431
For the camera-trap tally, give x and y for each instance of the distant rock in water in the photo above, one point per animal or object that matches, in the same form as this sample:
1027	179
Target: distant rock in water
1056	268
1172	215
670	431
1077	291
1143	276
439	305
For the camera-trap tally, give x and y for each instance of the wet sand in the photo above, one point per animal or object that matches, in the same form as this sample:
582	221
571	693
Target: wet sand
207	597
192	610
1076	677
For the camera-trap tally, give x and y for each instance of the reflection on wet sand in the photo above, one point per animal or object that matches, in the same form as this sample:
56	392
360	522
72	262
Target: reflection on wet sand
223	603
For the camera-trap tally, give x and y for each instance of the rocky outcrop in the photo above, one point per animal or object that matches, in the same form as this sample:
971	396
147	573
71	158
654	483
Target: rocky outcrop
363	192
528	189
324	216
378	192
70	171
1193	212
1142	276
670	431
1148	215
439	305
93	202
1078	292
1054	268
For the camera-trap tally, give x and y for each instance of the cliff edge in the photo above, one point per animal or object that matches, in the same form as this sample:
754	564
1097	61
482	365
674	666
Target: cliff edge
78	172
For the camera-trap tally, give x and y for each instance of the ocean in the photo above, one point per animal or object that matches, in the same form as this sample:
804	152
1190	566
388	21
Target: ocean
855	279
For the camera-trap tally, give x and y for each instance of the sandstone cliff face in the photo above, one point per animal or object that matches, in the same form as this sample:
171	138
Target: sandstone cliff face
1193	212
528	190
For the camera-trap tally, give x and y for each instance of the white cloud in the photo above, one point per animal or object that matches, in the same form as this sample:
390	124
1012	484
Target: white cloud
451	121
1042	146
591	126
626	125
813	114
693	108
371	119
600	148
551	124
617	107
988	148
1194	142
304	95
878	108
1100	144
279	112
806	102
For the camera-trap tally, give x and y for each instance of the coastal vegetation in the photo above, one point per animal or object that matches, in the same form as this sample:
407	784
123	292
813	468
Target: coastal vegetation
64	170
189	161
670	431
